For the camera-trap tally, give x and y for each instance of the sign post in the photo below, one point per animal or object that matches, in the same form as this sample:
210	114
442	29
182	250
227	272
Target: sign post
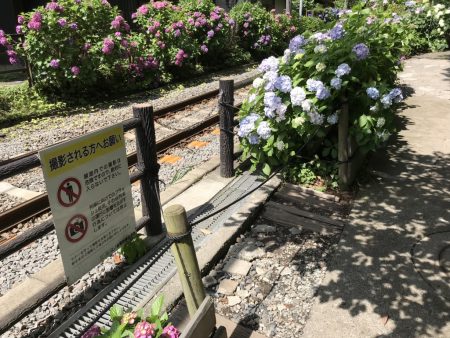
90	196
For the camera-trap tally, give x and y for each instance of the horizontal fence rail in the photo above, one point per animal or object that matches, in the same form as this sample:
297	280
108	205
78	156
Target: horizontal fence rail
40	204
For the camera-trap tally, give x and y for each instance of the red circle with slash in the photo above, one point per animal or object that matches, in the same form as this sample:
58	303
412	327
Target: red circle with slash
69	192
76	228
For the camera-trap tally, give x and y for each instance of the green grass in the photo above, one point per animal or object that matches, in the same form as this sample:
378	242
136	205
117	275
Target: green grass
20	103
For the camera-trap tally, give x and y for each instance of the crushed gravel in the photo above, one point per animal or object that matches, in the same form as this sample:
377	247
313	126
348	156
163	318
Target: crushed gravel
7	201
276	296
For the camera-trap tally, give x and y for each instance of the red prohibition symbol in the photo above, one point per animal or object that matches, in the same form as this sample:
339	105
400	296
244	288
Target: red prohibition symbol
69	192
76	228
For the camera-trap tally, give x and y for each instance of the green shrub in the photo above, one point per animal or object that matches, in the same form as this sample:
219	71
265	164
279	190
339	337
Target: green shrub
300	96
253	28
310	24
74	46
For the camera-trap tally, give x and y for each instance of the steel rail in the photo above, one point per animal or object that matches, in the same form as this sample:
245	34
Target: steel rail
29	209
30	159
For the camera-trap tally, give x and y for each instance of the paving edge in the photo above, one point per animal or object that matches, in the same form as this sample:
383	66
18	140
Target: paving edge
19	301
218	243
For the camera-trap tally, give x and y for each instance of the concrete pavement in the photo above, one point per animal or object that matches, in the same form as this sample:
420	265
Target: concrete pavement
390	276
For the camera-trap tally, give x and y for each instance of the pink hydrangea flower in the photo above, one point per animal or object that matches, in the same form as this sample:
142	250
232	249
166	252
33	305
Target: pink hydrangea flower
108	46
143	10
159	4
75	70
20	19
3	40
54	6
144	330
62	22
170	332
54	63
19	29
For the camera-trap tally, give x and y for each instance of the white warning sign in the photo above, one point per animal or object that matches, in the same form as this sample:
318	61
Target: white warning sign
90	196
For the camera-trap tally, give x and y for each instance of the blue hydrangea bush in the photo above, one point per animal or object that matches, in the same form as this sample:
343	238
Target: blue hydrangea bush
299	97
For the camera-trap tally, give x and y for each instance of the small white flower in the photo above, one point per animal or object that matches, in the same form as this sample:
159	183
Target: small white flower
380	122
307	105
258	82
279	145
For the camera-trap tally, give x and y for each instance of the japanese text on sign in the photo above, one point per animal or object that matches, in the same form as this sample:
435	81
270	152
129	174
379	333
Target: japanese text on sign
90	196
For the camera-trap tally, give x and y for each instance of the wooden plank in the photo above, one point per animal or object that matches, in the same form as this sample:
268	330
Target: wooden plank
296	196
203	323
306	214
281	216
310	191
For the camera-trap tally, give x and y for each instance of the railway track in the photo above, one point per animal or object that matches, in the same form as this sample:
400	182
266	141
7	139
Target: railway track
34	207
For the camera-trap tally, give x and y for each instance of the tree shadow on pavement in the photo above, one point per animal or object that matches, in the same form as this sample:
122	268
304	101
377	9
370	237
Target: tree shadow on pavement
373	268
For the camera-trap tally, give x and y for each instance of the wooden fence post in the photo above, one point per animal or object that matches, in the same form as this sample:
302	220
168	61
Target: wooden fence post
343	147
185	258
226	113
147	160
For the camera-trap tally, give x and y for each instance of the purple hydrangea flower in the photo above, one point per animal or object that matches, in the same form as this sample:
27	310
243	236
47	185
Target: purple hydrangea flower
3	40
336	82
19	29
315	117
20	19
231	22
396	95
62	22
313	85
75	70
342	69
176	33
270	77
210	34
373	93
204	49
271	100
283	84
322	93
108	46
73	26
263	130
361	51
298	95
337	32
247	125
253	138
54	63
386	100
269	64
142	10
296	43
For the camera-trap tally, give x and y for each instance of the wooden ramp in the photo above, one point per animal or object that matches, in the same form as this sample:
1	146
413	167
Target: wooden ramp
305	209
